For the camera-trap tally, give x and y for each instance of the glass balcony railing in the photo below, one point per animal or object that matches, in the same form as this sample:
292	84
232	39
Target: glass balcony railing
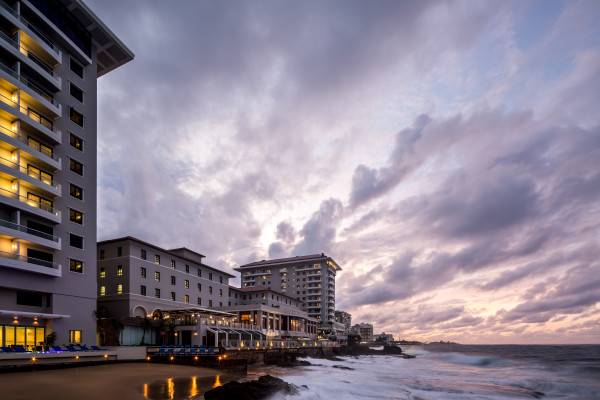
45	122
28	230
30	260
33	203
45	95
31	143
40	176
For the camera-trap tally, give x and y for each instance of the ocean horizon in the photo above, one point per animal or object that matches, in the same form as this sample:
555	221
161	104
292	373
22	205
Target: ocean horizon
452	371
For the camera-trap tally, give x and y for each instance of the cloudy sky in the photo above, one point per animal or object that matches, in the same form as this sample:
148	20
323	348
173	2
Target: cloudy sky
445	154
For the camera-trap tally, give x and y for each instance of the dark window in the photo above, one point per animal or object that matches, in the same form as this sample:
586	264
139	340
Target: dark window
76	216
76	92
157	293
199	301
210	290
102	254
76	141
199	287
210	303
143	290
143	254
187	269
30	299
210	276
172	280
199	272
119	251
75	241
220	279
172	296
76	67
76	166
76	191
76	266
76	116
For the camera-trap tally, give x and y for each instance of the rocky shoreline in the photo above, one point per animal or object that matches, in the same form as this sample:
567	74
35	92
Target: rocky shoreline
268	385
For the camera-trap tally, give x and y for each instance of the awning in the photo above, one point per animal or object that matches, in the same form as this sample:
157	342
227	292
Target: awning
15	313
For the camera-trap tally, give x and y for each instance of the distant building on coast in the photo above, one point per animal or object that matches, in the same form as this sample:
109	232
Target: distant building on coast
160	296
310	279
364	330
344	318
53	51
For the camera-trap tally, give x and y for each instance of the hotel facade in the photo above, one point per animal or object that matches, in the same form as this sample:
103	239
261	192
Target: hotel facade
310	279
161	296
51	54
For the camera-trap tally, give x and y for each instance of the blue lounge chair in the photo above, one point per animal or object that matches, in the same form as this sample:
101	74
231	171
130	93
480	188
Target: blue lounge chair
195	346
202	351
20	349
97	348
211	351
71	348
162	351
7	350
180	351
163	345
57	348
84	348
187	346
170	351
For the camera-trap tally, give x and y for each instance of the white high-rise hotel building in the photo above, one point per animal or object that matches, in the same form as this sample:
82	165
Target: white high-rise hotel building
51	54
310	279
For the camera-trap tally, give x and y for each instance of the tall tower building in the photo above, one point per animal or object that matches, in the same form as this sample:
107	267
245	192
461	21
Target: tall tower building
51	53
310	279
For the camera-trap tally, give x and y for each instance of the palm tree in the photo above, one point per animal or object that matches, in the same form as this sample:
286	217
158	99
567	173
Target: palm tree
147	323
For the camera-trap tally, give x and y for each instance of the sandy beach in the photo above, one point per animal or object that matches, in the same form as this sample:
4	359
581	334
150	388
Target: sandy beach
111	382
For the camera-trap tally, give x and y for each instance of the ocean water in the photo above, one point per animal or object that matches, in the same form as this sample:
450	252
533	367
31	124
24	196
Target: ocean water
452	372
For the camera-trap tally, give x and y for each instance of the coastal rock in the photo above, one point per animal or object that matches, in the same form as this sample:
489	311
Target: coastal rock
295	363
343	367
262	388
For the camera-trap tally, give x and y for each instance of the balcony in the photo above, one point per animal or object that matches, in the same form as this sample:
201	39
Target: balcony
29	264
16	139
30	58
30	117
23	203
42	41
30	93
38	179
13	230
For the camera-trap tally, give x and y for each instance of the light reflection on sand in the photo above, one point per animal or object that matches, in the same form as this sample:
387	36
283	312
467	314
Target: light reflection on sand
183	388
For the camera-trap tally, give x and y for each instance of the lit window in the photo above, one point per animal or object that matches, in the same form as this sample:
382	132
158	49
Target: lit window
74	336
76	191
76	266
76	116
102	290
119	289
102	273
76	216
187	298
187	284
199	287
143	272
156	259
173	264
157	276
76	166
76	142
220	292
120	270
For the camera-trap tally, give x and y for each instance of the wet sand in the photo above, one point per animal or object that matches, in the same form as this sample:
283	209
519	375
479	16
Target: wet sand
110	382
